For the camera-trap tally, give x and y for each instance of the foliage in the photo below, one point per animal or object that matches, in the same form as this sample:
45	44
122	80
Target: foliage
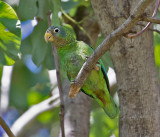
157	49
108	127
10	35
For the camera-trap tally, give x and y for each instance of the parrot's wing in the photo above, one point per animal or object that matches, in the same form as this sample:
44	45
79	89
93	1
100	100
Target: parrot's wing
86	93
102	67
105	77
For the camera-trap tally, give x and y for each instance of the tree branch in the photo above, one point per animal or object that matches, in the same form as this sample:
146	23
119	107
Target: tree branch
107	43
24	120
6	128
150	29
5	88
55	54
151	19
148	25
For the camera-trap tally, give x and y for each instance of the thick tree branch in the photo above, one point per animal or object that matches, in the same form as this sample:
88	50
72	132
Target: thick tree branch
107	43
151	19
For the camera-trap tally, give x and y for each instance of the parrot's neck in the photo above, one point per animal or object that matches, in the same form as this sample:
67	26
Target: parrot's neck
64	49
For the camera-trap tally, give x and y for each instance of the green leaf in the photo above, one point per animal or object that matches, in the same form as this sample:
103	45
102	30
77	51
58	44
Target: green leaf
45	117
55	9
43	7
156	39
20	89
68	5
36	46
34	97
41	51
157	55
108	126
26	46
27	9
157	49
10	35
48	61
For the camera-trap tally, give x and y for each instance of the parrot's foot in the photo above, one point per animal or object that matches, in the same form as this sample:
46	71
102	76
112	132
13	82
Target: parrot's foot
96	67
74	89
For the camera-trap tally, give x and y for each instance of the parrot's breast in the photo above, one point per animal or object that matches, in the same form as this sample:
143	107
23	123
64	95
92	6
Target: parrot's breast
71	64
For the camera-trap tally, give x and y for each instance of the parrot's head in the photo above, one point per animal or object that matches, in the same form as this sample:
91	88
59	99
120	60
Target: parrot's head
60	35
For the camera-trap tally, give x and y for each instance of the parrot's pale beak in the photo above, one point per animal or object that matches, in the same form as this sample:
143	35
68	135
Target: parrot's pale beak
48	37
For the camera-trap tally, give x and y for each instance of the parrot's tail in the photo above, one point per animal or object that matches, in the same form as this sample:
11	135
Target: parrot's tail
111	108
107	103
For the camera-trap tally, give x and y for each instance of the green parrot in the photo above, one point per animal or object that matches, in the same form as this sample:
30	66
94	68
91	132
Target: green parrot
73	55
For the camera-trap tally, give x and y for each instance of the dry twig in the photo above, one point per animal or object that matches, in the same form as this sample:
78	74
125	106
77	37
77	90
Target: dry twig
6	128
151	20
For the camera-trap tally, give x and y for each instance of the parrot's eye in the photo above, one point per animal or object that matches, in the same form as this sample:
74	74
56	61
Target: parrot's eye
56	30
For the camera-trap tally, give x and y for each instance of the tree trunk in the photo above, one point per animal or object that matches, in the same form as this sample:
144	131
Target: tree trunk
134	64
77	113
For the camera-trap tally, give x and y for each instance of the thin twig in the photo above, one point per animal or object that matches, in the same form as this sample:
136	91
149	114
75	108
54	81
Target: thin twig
150	29
6	128
58	81
135	17
78	24
147	26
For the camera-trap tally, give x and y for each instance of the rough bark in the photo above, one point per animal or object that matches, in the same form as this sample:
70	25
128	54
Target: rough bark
135	70
77	113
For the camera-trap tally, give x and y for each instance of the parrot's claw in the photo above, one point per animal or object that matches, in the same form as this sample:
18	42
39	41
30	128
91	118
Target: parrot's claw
96	67
74	89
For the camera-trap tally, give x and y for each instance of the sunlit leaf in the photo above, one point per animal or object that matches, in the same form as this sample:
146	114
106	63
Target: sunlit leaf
156	39
45	117
157	55
102	125
34	97
157	49
10	35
